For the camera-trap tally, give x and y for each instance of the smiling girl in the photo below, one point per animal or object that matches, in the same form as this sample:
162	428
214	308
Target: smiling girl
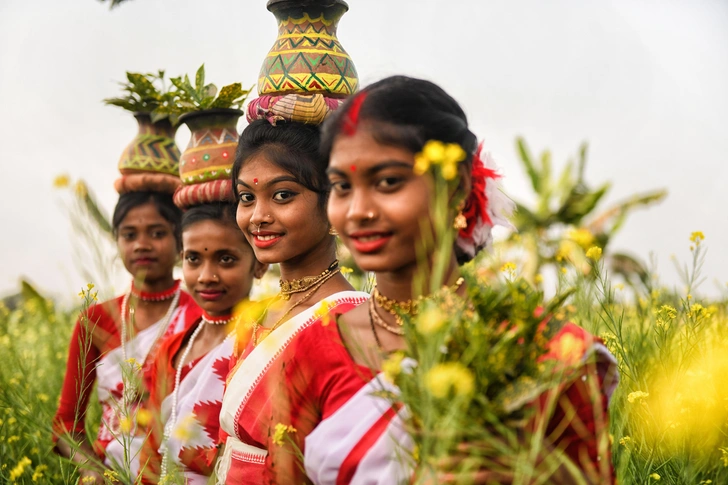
381	205
188	376
124	331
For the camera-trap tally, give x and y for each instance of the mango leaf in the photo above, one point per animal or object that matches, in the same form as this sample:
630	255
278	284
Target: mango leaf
528	164
200	79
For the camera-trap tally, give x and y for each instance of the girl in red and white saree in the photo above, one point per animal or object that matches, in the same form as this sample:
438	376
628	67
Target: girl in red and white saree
289	369
381	195
187	379
125	331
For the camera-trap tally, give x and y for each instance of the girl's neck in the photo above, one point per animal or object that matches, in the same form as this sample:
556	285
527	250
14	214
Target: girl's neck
158	285
312	263
410	283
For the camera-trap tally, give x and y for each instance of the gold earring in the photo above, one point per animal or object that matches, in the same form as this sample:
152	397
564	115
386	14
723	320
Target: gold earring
332	231
460	221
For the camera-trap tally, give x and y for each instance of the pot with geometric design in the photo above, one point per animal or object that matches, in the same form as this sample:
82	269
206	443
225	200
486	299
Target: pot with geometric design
151	160
206	163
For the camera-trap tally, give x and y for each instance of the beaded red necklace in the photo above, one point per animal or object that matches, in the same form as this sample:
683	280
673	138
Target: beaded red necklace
167	294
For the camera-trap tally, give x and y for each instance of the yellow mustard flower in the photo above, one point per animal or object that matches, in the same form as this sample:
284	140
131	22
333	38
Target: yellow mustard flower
449	376
61	181
81	189
392	366
90	286
637	396
656	477
323	312
111	475
430	321
625	441
724	456
280	432
143	417
581	236
42	397
594	252
38	472
538	278
13	439
508	268
696	237
19	469
125	424
346	270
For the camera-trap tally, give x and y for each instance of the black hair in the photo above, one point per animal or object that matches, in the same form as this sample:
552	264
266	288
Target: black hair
294	147
162	202
406	113
223	212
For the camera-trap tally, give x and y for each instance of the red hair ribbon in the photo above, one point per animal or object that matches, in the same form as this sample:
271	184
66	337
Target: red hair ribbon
351	119
477	202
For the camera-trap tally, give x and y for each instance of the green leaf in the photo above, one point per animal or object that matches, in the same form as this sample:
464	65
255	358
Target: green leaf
580	203
228	95
528	164
209	91
200	78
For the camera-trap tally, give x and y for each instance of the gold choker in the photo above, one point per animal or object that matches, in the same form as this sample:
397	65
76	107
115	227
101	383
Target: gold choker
409	307
289	287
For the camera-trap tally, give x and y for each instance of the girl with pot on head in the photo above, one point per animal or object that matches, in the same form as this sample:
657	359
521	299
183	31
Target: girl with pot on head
188	377
378	204
291	368
119	337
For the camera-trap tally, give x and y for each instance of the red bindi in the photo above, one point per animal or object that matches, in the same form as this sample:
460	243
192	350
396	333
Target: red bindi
353	168
255	181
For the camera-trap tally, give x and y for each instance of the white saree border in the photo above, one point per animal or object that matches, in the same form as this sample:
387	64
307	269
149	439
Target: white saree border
251	372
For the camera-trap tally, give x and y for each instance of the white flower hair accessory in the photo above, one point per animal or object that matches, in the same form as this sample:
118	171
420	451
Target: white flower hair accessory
485	207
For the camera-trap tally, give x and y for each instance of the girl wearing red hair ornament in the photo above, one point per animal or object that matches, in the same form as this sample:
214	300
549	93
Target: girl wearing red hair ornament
381	145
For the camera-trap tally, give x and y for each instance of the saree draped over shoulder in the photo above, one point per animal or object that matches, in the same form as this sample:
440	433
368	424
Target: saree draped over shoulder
365	442
295	377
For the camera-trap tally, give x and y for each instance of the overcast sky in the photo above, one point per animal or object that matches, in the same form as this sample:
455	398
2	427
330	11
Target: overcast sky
645	82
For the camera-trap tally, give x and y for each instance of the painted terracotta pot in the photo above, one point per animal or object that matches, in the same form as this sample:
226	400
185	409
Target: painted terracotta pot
206	163
307	57
152	150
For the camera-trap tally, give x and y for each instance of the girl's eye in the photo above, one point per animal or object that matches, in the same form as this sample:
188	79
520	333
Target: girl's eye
246	197
283	195
388	182
128	236
340	186
191	258
158	234
227	259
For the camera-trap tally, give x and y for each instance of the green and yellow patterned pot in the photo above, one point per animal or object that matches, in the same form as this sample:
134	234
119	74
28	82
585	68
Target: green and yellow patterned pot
152	150
307	57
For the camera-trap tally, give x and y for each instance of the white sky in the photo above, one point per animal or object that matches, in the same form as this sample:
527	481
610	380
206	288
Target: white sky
645	82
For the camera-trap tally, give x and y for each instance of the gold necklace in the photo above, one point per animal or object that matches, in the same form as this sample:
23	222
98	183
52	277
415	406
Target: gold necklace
281	320
300	285
375	318
409	307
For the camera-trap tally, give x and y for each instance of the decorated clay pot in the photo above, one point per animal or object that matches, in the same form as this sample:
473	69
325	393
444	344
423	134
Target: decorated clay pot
206	163
152	150
307	57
